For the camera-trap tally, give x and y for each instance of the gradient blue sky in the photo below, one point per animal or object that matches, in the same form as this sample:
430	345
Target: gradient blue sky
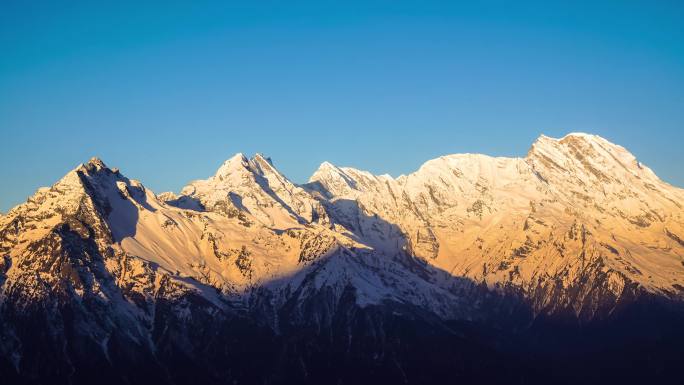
167	91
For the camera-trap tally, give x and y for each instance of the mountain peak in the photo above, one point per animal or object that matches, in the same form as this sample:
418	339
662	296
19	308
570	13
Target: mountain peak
239	164
235	163
95	164
587	158
237	158
256	187
578	134
263	165
325	168
326	165
574	144
573	136
260	156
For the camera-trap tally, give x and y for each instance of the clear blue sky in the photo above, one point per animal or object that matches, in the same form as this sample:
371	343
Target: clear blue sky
167	91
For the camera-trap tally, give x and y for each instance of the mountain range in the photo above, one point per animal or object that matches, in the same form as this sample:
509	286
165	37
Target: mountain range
563	266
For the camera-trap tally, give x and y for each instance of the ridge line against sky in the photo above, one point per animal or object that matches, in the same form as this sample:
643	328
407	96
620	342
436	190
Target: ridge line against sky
358	167
168	91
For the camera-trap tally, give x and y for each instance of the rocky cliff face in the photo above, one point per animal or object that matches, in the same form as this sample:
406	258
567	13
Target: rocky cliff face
247	277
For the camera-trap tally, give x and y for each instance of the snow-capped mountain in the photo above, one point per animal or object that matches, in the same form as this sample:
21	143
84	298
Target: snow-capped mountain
577	215
247	277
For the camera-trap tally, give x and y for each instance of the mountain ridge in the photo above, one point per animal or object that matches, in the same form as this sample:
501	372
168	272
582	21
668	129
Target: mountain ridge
576	230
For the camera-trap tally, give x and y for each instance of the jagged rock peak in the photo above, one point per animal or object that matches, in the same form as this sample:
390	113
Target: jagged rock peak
263	165
259	157
95	164
239	164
